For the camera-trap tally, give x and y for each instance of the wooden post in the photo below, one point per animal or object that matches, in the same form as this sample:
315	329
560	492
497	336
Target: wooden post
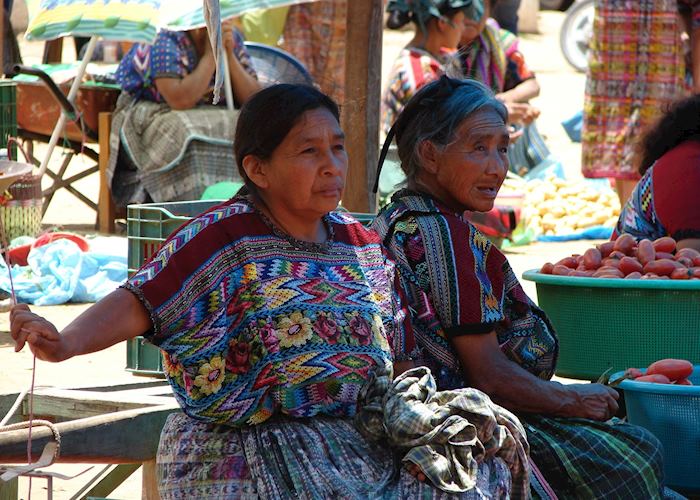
149	481
105	204
2	40
9	490
360	115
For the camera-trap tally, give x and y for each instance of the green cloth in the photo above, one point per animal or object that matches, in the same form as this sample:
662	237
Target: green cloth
446	433
264	25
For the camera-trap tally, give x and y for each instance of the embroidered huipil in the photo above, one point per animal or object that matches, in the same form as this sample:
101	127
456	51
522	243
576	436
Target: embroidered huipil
254	323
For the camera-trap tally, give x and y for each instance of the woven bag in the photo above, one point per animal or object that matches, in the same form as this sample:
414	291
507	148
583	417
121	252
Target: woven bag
21	205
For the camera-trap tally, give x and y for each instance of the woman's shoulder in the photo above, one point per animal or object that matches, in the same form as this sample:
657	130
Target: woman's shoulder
236	216
348	229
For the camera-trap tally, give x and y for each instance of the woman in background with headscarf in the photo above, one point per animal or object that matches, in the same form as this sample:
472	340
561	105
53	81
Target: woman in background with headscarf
438	29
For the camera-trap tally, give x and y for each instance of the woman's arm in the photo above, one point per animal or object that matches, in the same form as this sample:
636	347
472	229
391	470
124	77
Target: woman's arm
117	317
523	92
243	83
486	368
185	93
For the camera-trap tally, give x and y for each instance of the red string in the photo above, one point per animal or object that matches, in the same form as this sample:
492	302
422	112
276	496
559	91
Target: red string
6	245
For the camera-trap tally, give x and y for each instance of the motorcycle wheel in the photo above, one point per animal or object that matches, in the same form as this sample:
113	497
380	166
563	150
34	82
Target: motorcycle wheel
576	32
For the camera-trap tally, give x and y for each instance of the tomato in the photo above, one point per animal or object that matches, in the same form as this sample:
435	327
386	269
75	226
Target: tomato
681	273
592	258
624	243
665	244
656	378
579	273
646	252
683	381
608	272
662	267
610	262
674	369
616	254
689	253
684	261
606	248
561	270
664	255
547	268
569	262
630	265
633	276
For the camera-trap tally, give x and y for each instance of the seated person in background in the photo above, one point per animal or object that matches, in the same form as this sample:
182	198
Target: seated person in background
473	324
438	29
272	310
492	56
666	201
168	143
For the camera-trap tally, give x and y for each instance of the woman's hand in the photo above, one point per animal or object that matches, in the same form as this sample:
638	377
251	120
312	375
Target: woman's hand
416	471
592	401
521	113
227	35
41	335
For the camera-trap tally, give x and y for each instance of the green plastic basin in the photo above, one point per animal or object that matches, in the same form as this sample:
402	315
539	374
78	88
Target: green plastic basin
617	323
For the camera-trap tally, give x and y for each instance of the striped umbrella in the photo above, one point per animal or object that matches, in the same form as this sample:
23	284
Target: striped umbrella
135	20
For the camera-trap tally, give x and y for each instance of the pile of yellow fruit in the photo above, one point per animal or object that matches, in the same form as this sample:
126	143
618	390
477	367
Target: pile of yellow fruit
556	206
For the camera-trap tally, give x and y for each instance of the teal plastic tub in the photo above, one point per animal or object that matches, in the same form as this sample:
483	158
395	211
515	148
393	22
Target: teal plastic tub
672	414
615	324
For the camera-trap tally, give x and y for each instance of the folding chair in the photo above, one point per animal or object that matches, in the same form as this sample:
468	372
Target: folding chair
39	105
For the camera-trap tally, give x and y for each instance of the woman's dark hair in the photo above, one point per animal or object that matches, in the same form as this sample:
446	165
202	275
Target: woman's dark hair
266	119
679	124
421	11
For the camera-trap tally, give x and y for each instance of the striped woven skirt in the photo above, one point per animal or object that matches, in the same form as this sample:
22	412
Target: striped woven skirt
586	459
316	458
636	69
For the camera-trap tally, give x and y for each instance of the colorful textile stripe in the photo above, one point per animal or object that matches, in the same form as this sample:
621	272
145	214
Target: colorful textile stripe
135	20
254	323
458	283
636	70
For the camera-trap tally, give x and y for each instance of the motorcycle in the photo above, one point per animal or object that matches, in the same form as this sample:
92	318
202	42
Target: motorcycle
576	32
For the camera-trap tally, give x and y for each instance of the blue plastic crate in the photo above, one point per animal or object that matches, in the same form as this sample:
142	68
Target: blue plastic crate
672	414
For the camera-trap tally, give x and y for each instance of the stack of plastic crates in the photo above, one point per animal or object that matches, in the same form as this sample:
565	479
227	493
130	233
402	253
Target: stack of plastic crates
8	115
148	226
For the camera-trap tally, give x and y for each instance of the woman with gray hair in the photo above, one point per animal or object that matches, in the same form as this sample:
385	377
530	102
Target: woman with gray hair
473	324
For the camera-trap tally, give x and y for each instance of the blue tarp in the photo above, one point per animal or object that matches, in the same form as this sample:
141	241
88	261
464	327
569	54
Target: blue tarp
60	272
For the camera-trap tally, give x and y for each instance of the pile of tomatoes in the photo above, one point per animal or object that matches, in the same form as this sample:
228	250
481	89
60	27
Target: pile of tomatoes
664	371
626	258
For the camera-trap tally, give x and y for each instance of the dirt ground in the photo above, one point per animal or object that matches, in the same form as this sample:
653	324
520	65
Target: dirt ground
561	96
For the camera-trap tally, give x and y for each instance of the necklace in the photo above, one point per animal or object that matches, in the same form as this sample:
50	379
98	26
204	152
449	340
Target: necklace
280	230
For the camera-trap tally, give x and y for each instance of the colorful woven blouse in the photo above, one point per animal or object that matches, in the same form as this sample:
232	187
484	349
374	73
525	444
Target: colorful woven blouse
457	283
255	323
494	59
412	69
172	55
665	202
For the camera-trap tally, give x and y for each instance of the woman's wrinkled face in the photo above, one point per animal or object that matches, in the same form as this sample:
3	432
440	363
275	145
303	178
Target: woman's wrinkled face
306	173
470	170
